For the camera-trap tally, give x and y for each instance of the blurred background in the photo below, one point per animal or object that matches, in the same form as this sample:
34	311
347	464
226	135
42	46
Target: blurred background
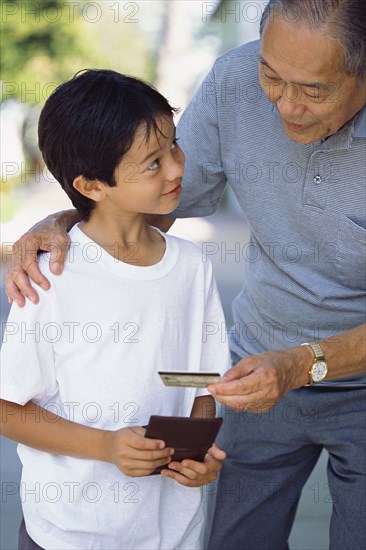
170	43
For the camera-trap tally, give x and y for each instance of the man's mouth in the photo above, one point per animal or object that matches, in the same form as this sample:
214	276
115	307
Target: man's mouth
296	127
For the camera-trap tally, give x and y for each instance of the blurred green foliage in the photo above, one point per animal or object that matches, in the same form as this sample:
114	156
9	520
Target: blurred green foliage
35	50
45	42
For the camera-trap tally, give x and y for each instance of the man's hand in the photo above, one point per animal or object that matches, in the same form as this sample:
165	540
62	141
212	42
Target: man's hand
195	474
256	383
49	235
134	454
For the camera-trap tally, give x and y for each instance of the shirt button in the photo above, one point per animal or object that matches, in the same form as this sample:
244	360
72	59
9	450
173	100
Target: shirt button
317	179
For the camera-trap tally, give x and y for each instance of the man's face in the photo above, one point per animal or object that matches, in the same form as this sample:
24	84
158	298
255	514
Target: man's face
299	71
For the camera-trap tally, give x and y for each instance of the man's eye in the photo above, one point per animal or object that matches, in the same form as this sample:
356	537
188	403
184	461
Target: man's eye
154	165
314	93
272	78
175	144
311	95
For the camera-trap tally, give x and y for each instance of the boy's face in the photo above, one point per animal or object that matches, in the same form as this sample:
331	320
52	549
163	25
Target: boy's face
149	175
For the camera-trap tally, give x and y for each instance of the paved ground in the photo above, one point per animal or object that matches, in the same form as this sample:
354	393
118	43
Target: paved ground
220	235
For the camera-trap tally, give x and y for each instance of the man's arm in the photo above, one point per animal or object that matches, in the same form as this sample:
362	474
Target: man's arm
164	223
257	383
50	235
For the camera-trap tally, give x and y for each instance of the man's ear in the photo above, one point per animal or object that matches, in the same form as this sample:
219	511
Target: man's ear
93	189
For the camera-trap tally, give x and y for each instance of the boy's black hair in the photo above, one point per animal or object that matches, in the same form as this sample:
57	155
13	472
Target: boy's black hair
89	123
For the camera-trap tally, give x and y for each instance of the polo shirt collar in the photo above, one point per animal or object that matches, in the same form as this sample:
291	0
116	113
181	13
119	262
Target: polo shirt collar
360	124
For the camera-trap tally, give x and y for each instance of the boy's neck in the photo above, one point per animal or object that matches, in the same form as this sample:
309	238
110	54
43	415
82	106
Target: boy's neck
128	240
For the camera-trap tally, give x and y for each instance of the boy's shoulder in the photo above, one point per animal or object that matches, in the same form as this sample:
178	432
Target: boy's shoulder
44	258
192	256
186	247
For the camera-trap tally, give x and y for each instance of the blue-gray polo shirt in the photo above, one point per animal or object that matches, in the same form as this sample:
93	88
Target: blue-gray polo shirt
305	265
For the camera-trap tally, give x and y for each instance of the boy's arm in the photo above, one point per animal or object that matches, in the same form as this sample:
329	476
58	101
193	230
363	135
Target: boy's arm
41	429
189	472
203	407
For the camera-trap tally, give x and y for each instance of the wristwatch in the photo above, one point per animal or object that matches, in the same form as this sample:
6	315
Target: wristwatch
319	368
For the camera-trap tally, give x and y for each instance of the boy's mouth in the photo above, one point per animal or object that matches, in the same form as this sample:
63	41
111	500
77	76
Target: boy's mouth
174	192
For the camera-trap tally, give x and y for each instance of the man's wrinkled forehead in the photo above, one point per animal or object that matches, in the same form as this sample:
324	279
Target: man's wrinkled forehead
300	54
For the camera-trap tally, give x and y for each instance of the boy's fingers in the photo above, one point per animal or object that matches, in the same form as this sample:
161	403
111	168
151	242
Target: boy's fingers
216	452
189	468
140	442
134	465
151	456
183	479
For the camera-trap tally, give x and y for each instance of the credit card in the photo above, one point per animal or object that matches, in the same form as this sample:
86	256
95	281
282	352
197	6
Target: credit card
188	379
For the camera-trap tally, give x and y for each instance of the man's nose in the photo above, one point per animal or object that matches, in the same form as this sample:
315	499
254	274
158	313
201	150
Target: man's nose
290	103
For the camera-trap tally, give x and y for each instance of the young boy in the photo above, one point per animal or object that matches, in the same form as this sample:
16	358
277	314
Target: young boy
79	370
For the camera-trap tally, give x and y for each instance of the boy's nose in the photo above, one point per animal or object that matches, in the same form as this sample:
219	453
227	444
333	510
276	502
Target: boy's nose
176	165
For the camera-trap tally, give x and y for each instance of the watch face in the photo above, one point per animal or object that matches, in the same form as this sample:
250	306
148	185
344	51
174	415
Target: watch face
319	371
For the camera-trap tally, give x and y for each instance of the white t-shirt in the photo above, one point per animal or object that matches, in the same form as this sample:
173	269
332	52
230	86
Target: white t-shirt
90	352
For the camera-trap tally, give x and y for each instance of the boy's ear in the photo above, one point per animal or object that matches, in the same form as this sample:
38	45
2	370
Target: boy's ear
93	189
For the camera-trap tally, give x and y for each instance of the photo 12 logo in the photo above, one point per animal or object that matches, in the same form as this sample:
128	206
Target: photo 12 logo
53	12
245	11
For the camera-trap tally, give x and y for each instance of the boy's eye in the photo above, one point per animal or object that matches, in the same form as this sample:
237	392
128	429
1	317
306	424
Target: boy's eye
154	165
175	143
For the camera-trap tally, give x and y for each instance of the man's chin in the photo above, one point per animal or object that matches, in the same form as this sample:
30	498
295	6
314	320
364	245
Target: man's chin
304	138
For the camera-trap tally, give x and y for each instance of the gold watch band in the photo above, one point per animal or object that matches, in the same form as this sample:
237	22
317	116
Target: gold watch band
317	350
318	356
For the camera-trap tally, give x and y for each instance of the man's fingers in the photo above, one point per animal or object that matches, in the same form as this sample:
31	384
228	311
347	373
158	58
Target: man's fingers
241	386
37	277
18	286
234	376
58	252
244	367
13	293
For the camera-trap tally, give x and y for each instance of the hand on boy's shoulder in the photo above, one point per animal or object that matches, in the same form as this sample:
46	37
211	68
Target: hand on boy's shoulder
29	273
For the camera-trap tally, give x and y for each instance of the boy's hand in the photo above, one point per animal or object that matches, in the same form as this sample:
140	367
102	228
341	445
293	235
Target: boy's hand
194	474
134	454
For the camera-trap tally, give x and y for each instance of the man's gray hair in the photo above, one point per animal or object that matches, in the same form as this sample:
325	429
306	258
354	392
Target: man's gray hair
344	20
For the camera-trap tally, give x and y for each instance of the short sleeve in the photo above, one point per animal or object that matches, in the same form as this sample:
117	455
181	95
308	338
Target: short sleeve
198	133
27	357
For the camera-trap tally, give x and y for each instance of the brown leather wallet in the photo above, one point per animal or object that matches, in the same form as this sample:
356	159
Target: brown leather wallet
190	437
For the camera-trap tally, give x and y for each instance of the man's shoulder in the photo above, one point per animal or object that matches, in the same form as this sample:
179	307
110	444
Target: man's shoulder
243	57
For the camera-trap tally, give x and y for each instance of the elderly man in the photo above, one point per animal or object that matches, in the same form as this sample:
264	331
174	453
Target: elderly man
283	122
